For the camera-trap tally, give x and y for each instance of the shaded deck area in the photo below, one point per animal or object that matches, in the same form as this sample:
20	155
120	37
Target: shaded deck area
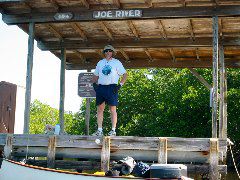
201	155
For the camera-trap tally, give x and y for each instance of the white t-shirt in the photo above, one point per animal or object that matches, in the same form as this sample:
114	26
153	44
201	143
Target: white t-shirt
109	71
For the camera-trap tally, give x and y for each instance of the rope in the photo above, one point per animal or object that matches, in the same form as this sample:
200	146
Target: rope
234	162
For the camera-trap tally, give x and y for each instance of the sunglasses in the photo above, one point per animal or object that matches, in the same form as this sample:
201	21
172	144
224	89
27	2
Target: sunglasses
108	50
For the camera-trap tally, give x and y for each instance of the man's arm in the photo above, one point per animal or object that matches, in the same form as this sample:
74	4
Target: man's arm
95	79
124	78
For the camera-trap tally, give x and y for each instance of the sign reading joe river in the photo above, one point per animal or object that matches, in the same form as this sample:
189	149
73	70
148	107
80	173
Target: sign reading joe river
85	88
117	14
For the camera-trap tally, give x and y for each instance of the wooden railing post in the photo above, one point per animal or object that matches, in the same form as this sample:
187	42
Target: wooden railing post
162	151
51	152
8	146
213	159
105	154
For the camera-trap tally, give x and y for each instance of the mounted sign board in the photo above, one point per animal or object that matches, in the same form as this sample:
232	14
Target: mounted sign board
112	14
63	16
85	88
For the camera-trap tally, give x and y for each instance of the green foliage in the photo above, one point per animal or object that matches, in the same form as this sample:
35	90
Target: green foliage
42	114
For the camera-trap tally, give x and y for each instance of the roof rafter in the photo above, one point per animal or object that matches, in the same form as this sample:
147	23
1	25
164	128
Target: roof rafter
149	3
127	59
83	59
54	4
117	3
99	52
172	54
148	54
86	4
197	54
133	29
54	31
158	22
191	29
78	29
106	30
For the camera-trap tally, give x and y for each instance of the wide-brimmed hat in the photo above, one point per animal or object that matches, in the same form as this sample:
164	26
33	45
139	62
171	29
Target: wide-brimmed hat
107	47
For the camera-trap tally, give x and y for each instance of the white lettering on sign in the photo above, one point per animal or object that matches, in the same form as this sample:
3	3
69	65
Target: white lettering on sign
117	14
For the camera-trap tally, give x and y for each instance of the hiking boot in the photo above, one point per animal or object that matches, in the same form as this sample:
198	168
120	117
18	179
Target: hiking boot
112	133
98	133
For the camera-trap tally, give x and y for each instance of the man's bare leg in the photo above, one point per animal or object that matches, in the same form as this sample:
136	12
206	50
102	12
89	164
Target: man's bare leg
113	111
100	110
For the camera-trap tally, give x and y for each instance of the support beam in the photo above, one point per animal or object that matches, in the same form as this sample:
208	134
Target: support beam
223	96
62	89
132	43
29	77
200	78
215	78
147	13
161	63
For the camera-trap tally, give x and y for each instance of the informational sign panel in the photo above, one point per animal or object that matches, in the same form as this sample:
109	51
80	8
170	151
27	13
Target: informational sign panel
85	88
117	14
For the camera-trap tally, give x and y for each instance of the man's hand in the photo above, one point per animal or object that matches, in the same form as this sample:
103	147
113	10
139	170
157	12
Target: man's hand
117	88
95	86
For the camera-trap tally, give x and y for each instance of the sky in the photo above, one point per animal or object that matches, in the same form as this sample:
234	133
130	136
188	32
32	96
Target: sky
45	75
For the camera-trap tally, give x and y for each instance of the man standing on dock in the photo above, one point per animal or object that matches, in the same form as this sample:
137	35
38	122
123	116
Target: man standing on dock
105	83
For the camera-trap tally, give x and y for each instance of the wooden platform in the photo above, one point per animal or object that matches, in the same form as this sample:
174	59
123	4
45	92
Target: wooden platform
199	154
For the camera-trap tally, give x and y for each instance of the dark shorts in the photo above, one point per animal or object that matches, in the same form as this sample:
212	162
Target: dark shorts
107	94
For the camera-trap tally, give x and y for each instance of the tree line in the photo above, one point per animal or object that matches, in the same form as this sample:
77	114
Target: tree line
155	102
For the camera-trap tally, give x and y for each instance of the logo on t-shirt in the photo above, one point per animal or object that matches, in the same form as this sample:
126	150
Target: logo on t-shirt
107	69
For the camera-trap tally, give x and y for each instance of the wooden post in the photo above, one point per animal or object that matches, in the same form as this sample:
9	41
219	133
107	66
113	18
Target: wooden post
87	116
29	77
51	152
223	96
213	159
105	154
162	151
8	146
62	89
215	77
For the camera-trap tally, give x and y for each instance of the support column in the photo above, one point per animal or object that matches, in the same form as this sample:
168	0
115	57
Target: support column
215	77
223	96
87	115
62	89
29	77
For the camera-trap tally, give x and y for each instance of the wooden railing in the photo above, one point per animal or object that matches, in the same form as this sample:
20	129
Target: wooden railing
200	154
